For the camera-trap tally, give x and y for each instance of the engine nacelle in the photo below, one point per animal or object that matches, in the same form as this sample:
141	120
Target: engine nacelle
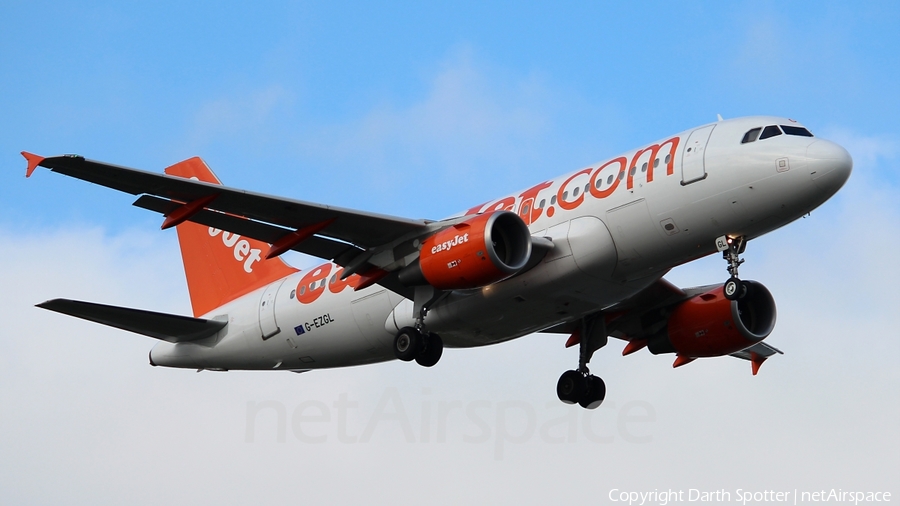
709	325
474	253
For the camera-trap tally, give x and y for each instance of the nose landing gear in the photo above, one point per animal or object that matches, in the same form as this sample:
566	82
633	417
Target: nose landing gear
580	386
731	248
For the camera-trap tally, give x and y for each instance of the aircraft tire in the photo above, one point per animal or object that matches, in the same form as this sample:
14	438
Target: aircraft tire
407	344
570	387
595	393
734	289
434	348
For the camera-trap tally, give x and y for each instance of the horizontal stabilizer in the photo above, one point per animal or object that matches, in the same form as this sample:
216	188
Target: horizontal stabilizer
167	327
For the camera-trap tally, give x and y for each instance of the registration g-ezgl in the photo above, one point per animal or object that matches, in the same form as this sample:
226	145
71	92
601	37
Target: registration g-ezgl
582	254
318	322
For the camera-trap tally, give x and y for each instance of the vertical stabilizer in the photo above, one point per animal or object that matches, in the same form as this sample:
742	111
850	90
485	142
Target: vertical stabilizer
220	266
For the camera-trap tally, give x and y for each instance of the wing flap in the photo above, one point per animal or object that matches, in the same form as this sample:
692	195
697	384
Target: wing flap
164	326
321	247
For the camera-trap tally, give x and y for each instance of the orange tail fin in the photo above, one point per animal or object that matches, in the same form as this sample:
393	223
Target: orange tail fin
220	266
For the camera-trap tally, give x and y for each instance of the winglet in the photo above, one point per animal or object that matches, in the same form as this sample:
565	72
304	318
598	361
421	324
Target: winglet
33	162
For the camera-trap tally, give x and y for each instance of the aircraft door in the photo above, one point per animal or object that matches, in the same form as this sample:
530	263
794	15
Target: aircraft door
693	166
267	325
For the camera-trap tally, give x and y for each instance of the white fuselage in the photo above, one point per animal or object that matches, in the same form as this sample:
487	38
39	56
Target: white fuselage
617	227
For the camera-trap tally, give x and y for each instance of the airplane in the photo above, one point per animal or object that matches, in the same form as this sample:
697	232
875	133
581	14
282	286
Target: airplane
583	254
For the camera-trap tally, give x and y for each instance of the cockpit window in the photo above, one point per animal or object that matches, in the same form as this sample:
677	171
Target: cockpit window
770	131
793	130
751	135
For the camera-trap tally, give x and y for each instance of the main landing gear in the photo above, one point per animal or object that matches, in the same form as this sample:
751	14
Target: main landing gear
731	248
580	385
424	347
416	343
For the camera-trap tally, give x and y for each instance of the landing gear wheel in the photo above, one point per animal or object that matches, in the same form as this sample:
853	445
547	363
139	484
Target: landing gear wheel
734	289
407	344
434	348
570	387
594	394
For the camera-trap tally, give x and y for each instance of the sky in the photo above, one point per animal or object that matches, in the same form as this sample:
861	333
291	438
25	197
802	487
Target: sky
422	110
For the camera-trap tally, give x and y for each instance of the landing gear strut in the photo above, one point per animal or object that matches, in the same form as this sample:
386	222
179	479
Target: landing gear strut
416	343
580	385
731	248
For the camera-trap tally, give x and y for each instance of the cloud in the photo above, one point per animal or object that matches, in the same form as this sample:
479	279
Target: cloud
242	114
870	153
472	123
465	112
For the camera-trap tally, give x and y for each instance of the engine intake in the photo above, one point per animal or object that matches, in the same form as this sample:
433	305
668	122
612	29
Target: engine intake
471	254
709	325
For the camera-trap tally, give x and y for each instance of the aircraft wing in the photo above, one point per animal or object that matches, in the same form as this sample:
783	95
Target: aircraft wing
269	217
167	327
637	318
317	246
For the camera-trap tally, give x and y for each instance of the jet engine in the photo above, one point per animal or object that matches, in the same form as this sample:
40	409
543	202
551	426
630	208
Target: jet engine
474	253
709	325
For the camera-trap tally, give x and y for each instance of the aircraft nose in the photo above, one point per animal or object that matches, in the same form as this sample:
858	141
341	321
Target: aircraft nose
829	165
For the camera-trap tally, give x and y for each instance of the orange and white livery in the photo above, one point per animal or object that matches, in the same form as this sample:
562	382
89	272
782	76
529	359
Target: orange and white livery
583	254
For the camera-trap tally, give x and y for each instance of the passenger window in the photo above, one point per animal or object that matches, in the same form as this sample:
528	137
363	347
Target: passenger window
644	167
553	200
608	180
770	131
543	201
575	191
800	131
751	135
